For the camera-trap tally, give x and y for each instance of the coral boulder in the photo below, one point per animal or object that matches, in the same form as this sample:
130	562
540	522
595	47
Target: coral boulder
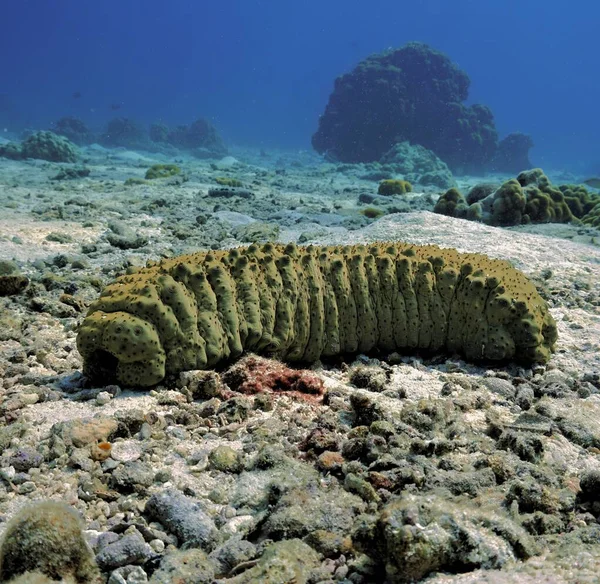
414	93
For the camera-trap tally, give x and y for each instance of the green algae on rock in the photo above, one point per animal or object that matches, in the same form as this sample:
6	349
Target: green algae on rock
43	146
300	304
47	537
162	171
394	187
530	198
228	182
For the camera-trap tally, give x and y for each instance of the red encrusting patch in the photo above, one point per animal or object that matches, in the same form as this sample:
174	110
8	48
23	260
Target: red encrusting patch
253	374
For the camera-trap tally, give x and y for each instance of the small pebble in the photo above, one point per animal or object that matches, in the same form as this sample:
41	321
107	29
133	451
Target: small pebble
157	545
103	398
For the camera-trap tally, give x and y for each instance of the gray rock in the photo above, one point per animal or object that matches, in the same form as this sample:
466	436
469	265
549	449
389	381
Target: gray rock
532	422
525	396
577	419
190	566
326	219
123	236
303	510
370	198
287	218
284	561
130	549
183	517
233	552
128	575
25	458
442	179
557	376
234	218
105	539
132	475
555	383
502	387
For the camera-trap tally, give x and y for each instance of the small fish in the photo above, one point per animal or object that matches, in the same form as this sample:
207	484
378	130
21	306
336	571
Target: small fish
592	182
115	106
76	95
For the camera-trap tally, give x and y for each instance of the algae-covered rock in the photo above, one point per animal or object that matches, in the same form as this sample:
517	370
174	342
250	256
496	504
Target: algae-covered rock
304	509
257	232
225	459
284	561
508	205
162	171
530	198
451	203
420	534
225	181
372	212
42	145
394	187
71	173
301	304
49	146
133	181
47	537
190	566
123	236
200	137
12	150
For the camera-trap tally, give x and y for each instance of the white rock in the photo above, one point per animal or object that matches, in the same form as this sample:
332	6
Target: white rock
103	398
126	451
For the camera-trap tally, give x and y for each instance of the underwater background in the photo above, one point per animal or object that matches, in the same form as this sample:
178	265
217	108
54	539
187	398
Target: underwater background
299	292
262	71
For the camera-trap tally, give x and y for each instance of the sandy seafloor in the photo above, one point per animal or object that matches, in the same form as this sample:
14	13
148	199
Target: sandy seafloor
59	234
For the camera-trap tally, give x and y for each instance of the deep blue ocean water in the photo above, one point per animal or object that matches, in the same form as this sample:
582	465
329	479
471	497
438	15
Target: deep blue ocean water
262	71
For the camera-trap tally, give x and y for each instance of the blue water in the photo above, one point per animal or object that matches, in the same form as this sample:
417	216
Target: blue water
262	70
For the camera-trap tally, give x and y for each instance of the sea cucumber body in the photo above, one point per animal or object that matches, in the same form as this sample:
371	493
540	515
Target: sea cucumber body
300	304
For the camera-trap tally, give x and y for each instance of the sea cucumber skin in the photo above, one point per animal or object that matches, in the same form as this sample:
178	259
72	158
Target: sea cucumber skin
300	304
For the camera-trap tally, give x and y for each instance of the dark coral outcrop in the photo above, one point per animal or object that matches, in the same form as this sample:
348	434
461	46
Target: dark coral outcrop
302	304
512	154
200	138
125	133
418	165
414	93
42	146
74	130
